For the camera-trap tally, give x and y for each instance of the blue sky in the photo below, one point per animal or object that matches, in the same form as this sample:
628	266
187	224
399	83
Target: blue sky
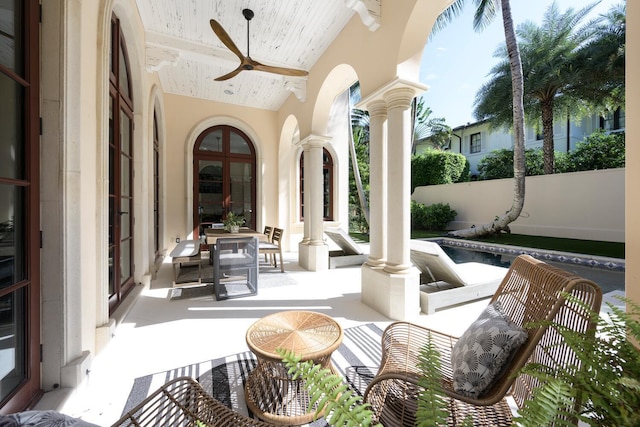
457	61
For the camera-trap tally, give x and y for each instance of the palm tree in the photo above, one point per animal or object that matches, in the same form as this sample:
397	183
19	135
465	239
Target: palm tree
359	135
424	126
600	63
548	57
485	12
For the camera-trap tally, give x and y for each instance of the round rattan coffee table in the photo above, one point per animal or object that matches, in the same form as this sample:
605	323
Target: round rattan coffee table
271	393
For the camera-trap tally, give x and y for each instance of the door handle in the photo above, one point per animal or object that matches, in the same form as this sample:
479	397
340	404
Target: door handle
122	213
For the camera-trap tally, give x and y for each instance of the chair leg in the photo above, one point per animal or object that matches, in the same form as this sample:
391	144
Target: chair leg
281	263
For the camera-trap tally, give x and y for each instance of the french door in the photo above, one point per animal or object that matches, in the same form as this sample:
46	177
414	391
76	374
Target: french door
224	177
120	171
19	206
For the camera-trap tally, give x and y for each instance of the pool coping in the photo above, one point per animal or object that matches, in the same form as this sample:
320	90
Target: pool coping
608	263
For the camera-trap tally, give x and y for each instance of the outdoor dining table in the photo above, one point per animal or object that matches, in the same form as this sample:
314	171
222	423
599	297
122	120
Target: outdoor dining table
213	234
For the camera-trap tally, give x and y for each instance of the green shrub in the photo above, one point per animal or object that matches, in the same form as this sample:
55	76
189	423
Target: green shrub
499	164
435	167
434	217
598	151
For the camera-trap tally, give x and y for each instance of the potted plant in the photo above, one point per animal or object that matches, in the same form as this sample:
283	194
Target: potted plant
233	222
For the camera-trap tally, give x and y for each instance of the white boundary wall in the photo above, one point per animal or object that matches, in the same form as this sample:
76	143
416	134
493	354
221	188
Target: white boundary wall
580	205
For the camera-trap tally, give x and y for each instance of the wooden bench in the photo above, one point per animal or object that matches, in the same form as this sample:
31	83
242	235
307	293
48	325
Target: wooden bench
186	252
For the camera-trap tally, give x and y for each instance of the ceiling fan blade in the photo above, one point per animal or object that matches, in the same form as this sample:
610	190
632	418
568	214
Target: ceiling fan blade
225	39
278	70
230	75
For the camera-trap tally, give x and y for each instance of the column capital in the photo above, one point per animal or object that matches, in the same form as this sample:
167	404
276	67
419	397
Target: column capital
377	108
415	88
399	97
314	141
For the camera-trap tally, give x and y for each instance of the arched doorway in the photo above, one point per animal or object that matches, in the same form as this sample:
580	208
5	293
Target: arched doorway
224	177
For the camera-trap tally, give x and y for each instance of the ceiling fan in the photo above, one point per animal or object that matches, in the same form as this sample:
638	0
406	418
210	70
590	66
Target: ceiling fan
246	63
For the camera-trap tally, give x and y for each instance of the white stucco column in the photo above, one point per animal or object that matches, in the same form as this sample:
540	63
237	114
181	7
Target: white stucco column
314	253
399	178
390	285
377	183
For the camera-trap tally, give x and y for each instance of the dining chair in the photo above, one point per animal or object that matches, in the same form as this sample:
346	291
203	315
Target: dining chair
268	231
274	247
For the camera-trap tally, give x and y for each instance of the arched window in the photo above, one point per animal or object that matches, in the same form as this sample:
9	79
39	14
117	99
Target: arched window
121	238
327	186
224	177
156	186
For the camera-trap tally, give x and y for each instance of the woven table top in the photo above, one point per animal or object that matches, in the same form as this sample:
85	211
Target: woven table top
307	333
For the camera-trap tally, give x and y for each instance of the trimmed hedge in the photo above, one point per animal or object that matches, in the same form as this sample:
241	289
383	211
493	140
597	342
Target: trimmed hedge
434	217
435	167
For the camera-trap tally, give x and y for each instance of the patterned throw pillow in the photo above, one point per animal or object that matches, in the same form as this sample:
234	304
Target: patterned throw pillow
484	348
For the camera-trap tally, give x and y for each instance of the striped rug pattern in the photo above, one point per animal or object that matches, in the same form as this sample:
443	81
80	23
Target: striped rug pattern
357	360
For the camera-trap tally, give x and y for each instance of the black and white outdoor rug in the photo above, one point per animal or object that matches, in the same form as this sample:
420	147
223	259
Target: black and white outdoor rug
357	360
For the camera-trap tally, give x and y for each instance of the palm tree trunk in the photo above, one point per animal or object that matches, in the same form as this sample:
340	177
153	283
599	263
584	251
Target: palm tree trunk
364	205
547	135
501	223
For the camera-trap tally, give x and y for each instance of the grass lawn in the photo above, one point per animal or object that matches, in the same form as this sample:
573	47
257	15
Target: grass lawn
590	247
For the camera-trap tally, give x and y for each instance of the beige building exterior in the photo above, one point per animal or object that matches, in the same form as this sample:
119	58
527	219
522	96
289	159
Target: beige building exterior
72	294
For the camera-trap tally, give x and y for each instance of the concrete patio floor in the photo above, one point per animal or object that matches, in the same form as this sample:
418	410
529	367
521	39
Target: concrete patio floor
157	334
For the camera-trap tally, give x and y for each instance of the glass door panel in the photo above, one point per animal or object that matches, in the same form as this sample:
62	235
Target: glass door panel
210	193
241	180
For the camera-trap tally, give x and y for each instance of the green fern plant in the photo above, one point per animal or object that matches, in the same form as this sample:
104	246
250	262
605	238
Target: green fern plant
342	407
432	403
607	384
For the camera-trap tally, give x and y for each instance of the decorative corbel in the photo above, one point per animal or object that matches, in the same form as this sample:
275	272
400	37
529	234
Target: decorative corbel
369	11
296	85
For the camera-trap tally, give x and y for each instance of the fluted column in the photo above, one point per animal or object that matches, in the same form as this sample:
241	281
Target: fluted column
399	133
377	183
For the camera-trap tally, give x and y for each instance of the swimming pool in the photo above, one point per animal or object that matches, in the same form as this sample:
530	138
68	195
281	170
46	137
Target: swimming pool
608	273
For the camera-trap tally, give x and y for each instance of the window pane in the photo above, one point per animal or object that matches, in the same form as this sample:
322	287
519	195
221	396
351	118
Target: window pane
125	260
123	76
11	35
12	244
212	142
11	129
239	145
210	202
125	176
125	215
12	346
125	133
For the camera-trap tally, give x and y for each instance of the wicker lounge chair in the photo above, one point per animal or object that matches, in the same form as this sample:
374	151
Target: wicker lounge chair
532	291
444	283
183	402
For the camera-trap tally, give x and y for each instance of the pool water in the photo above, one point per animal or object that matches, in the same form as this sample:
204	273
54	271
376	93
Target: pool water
608	280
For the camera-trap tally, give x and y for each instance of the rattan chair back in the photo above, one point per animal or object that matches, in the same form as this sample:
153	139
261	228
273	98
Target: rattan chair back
531	293
183	402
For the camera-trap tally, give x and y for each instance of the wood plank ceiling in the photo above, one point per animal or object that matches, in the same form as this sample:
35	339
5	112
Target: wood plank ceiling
187	54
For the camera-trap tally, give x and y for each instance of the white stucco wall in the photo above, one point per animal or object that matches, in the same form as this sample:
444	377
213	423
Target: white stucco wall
581	205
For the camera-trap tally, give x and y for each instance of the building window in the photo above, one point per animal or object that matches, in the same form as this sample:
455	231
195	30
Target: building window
475	143
613	121
327	186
